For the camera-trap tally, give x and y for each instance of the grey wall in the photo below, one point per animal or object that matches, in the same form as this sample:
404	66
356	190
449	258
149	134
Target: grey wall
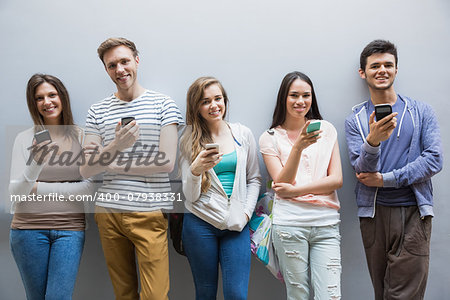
249	45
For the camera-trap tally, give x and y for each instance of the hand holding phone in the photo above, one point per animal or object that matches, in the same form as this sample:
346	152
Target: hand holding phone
206	159
381	129
305	138
42	147
126	136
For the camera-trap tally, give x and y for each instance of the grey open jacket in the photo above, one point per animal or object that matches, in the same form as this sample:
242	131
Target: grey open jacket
424	156
214	206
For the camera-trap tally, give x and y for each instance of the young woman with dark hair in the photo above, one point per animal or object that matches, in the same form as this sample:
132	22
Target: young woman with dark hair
306	172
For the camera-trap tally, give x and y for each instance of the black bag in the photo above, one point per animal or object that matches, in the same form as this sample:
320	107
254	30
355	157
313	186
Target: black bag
176	228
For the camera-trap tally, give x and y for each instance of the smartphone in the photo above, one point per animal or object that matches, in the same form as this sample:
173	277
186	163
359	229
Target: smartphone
382	110
42	136
212	146
126	120
313	126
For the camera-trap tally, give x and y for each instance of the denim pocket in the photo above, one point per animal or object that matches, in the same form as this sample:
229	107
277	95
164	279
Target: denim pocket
336	231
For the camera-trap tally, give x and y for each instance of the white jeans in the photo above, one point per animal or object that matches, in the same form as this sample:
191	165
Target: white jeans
302	248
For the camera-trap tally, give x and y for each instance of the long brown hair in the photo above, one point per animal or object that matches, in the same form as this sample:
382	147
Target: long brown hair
33	83
198	135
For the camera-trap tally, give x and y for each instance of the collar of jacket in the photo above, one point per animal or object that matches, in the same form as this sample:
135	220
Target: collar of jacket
363	122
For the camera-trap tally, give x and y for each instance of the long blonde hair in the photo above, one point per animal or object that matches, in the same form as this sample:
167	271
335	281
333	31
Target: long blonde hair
197	135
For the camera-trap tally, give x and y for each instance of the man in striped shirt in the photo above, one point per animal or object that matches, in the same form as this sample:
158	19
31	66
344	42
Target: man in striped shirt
135	159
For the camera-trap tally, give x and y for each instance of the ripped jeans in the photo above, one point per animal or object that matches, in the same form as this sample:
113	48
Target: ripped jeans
303	250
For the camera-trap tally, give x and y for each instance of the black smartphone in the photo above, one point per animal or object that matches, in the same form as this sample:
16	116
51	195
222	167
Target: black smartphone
126	120
42	136
382	110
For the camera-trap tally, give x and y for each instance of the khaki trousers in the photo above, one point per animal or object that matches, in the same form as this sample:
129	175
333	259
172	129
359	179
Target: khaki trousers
127	236
397	246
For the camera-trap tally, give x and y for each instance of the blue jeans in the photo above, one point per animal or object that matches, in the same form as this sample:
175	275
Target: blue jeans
206	247
48	261
314	249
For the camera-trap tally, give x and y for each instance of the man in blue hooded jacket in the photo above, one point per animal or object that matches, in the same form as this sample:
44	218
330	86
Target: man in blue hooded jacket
394	159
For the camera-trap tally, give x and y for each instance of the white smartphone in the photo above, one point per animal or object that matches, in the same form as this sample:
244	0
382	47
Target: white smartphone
212	146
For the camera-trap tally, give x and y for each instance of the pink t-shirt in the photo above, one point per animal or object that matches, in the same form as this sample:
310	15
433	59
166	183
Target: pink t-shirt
311	209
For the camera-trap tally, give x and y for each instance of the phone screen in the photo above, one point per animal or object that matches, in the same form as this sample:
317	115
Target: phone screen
126	120
382	111
42	136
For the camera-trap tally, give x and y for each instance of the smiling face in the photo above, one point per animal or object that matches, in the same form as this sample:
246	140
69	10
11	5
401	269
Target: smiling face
299	98
212	105
380	71
121	66
48	104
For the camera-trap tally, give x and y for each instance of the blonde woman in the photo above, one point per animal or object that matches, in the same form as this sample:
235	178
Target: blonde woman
221	183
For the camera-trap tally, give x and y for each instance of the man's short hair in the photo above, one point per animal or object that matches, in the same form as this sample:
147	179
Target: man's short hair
377	46
114	42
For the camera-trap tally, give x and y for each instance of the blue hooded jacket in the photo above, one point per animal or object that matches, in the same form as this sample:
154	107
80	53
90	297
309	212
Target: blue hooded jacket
424	157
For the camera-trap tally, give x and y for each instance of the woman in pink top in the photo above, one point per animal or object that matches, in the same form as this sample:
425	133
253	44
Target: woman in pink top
306	172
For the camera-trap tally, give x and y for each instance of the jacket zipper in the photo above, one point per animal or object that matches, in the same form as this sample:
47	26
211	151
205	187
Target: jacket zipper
374	202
